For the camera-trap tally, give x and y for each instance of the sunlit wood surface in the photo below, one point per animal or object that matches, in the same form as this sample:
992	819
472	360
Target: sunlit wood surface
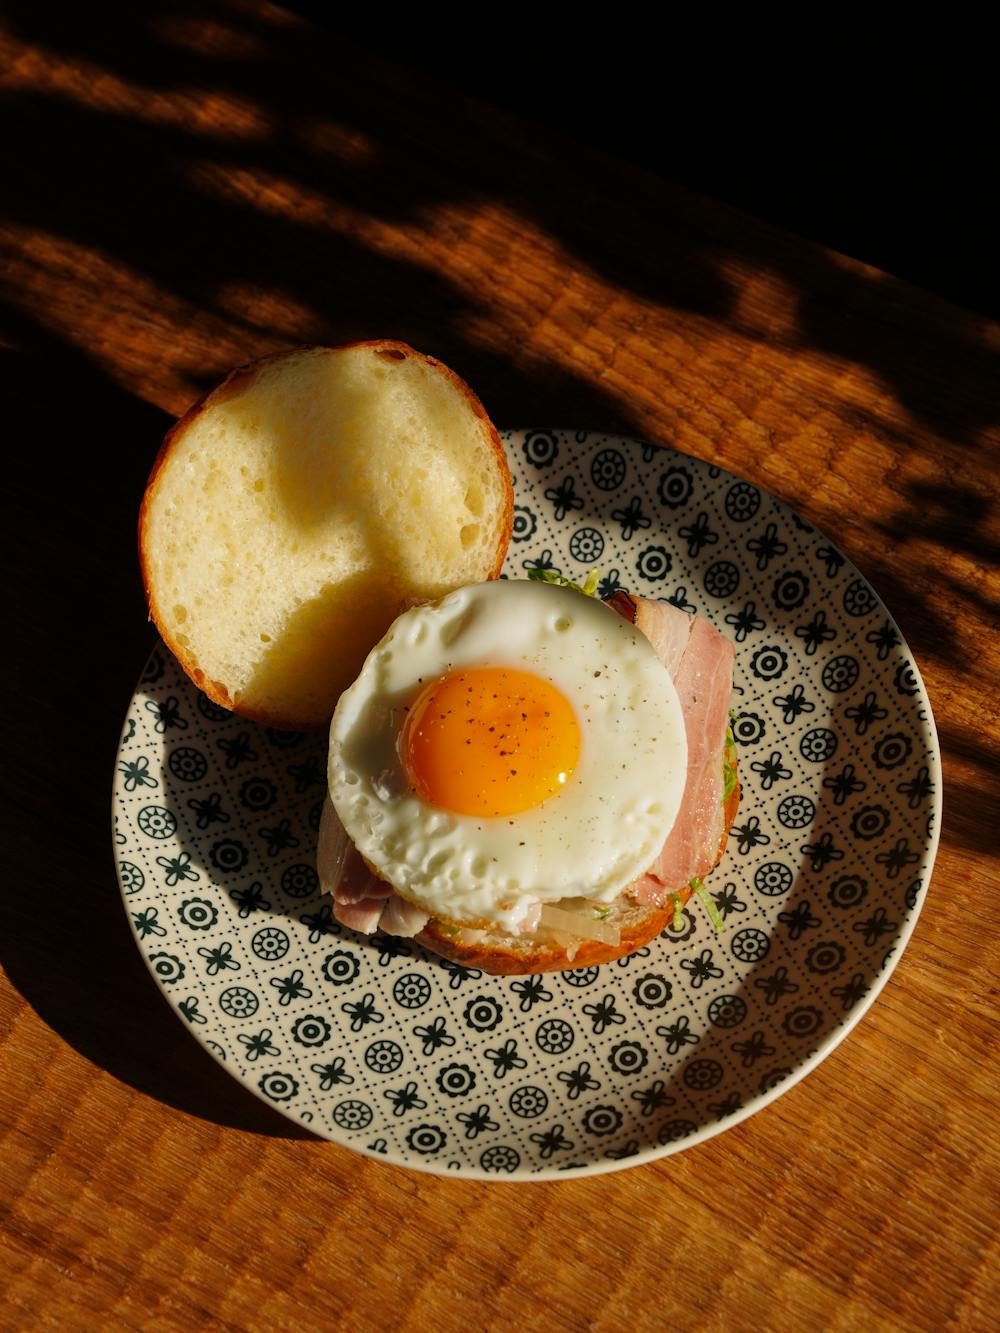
187	187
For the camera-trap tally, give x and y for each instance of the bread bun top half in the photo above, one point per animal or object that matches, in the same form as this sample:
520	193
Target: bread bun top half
301	505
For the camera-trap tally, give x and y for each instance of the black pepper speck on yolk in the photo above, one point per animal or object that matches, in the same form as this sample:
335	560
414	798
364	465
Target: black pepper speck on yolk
462	762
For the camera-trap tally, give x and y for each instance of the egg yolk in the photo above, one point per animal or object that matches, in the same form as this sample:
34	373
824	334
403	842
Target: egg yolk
490	741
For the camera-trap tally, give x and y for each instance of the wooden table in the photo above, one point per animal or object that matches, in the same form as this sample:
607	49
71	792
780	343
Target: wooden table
184	193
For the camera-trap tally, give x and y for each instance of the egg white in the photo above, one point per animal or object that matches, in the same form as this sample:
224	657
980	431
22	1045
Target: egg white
591	839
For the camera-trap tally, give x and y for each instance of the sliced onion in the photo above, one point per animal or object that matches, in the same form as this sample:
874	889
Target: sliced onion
571	943
579	925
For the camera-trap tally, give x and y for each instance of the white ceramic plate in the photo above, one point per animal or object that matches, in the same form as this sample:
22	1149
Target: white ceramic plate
394	1052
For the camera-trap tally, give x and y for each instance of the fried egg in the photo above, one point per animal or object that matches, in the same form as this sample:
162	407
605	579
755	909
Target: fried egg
511	744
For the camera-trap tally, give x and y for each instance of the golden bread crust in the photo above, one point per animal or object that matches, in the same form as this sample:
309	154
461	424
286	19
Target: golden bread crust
545	957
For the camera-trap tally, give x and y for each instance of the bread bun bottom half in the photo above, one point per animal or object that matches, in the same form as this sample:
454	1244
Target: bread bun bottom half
301	505
503	954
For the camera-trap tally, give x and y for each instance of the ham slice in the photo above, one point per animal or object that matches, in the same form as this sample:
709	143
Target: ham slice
669	630
361	901
400	917
357	883
700	660
364	917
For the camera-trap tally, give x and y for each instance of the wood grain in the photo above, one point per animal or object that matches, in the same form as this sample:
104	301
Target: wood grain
187	189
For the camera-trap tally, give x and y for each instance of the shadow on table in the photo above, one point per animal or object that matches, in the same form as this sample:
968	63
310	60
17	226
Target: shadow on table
258	170
220	148
78	456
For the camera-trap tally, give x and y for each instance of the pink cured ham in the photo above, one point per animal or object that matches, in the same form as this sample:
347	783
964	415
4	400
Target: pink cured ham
700	660
363	916
361	901
669	630
365	903
357	883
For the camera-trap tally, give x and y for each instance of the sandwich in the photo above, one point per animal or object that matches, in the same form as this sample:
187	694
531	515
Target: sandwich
522	777
525	779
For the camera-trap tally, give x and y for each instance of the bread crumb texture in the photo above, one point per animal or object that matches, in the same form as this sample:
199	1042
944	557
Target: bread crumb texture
297	513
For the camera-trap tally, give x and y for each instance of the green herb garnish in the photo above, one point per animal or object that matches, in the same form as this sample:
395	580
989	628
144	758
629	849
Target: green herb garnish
728	766
713	912
602	913
588	587
677	923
